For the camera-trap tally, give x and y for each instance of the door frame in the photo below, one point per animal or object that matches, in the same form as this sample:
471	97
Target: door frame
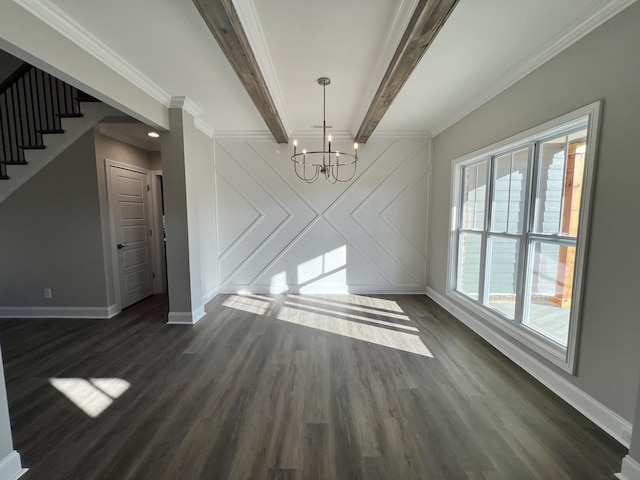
150	205
158	244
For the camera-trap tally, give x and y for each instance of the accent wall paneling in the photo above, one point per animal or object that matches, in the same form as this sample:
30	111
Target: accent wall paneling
277	233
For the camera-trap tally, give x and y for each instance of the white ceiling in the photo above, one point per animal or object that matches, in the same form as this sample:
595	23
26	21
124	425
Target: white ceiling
484	47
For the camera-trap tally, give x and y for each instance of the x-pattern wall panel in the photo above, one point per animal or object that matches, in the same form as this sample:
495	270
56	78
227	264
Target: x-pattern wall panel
278	233
357	214
281	222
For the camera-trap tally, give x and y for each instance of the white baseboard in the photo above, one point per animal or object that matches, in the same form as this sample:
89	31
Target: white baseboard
58	312
11	467
210	295
186	318
630	469
606	419
113	310
322	289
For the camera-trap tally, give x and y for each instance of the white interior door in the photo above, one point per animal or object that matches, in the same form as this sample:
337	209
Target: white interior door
131	216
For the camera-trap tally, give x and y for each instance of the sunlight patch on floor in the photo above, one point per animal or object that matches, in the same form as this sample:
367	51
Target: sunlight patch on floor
340	313
248	303
372	307
94	395
356	329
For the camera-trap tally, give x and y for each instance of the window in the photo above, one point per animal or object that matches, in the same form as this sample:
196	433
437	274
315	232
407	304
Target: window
519	216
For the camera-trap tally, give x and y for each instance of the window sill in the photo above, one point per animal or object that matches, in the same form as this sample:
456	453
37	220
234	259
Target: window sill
521	334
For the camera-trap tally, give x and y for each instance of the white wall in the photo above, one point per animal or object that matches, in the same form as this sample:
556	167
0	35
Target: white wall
603	65
276	232
200	176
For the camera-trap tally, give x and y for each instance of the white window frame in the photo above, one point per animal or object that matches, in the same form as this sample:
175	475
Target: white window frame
556	353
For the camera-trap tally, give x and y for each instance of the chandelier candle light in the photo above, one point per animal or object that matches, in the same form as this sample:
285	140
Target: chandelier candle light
309	165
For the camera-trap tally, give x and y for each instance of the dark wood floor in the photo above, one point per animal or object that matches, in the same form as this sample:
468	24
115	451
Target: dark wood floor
303	388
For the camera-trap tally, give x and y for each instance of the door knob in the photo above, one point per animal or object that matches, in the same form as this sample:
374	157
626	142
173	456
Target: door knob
120	245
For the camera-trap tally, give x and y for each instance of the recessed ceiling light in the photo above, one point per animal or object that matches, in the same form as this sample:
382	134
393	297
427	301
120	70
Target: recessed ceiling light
153	134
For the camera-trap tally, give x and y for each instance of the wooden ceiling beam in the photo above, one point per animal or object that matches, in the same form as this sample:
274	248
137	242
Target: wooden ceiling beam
426	22
223	21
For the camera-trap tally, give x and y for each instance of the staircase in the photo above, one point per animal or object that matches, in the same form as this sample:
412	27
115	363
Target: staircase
40	116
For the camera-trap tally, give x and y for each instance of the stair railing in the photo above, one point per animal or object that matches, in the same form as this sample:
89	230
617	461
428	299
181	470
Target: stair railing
32	103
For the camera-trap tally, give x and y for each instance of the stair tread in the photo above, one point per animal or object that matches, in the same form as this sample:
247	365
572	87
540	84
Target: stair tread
45	132
86	98
32	147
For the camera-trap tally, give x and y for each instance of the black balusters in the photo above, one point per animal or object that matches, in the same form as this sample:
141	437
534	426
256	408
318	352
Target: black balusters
32	102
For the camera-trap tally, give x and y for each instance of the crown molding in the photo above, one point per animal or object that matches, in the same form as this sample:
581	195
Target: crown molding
400	135
248	15
193	110
306	135
557	45
401	19
316	134
186	104
243	135
204	127
57	19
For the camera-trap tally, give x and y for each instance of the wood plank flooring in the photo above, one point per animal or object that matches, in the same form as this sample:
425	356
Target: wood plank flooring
286	387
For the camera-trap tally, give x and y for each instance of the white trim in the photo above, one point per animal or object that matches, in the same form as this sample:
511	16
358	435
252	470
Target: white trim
561	357
58	312
630	469
316	134
250	21
400	134
192	109
61	22
57	19
186	104
113	310
243	135
158	243
203	127
549	128
401	18
112	222
606	419
186	318
210	295
323	289
11	467
568	38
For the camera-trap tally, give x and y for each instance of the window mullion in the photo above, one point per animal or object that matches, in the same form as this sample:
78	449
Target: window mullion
564	183
527	227
488	201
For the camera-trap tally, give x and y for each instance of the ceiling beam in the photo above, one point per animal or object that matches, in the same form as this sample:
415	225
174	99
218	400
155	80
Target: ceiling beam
426	22
223	21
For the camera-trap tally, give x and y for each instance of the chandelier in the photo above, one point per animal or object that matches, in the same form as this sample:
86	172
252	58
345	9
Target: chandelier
335	166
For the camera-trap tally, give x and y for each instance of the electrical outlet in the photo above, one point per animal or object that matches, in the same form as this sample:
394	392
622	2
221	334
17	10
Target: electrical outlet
47	293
